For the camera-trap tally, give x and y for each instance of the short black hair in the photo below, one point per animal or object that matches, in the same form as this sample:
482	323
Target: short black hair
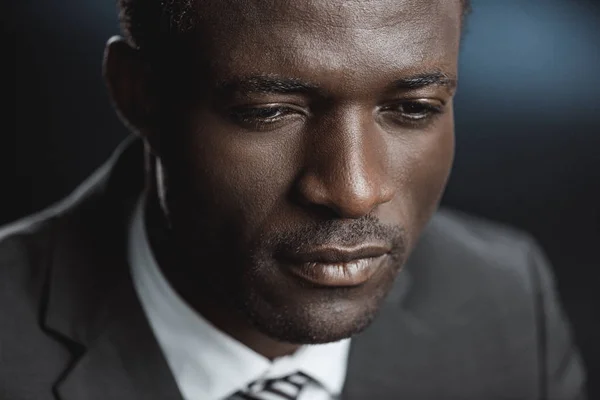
147	24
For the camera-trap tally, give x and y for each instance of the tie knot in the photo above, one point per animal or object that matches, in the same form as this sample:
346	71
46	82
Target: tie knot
284	388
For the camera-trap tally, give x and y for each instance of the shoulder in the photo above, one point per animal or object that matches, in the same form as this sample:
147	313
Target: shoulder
27	245
477	236
31	358
479	269
28	253
25	251
475	243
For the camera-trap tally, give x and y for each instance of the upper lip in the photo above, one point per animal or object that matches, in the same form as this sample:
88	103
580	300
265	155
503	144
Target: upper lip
337	255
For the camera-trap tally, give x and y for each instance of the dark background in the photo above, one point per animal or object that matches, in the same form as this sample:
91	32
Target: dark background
528	125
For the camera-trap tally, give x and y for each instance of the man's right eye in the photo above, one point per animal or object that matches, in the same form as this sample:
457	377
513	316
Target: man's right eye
262	118
264	114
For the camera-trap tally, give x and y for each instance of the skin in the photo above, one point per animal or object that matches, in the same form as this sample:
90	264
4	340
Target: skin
298	125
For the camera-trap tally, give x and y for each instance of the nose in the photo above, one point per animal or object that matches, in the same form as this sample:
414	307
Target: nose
347	168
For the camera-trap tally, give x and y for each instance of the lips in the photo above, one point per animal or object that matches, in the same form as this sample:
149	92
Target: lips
335	266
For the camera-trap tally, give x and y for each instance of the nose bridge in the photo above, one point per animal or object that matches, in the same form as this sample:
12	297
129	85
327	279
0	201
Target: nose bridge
352	167
349	170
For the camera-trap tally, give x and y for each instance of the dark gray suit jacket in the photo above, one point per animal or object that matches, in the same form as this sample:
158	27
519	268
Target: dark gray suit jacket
473	315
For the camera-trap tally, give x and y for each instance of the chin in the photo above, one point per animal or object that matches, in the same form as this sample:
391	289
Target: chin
315	323
294	313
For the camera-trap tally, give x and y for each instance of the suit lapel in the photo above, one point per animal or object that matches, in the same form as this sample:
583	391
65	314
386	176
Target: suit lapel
92	304
110	368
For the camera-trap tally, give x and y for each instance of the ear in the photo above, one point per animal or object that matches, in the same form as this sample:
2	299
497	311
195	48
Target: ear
129	81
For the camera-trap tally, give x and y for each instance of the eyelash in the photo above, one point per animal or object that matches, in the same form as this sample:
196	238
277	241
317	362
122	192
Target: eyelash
427	107
251	116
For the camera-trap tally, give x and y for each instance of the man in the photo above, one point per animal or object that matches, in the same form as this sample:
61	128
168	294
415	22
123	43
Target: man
283	240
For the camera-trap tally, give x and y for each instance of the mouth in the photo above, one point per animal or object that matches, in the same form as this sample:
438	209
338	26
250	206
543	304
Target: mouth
335	266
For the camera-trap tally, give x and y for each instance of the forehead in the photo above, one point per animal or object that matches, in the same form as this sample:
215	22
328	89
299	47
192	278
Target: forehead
330	40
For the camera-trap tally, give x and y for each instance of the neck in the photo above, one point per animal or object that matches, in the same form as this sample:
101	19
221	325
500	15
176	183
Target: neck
208	303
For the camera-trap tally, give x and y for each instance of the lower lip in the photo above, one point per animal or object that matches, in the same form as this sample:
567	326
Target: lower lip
348	274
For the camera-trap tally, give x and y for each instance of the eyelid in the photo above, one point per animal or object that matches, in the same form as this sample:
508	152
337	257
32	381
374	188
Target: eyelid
268	106
425	102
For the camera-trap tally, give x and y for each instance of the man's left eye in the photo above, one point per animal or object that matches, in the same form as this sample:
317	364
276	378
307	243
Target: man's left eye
415	110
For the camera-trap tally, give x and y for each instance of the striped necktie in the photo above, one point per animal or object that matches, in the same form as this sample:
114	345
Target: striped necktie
286	388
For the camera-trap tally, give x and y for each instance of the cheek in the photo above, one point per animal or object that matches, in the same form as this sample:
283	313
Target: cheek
425	168
240	177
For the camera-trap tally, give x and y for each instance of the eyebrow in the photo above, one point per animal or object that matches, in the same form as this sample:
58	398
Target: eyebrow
277	85
267	85
424	80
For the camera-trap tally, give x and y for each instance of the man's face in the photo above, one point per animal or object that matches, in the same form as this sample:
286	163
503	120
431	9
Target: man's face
316	146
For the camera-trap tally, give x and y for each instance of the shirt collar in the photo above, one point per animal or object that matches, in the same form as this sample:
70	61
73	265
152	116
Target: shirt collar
199	354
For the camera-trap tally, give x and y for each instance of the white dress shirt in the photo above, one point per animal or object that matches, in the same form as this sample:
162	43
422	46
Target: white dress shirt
208	364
